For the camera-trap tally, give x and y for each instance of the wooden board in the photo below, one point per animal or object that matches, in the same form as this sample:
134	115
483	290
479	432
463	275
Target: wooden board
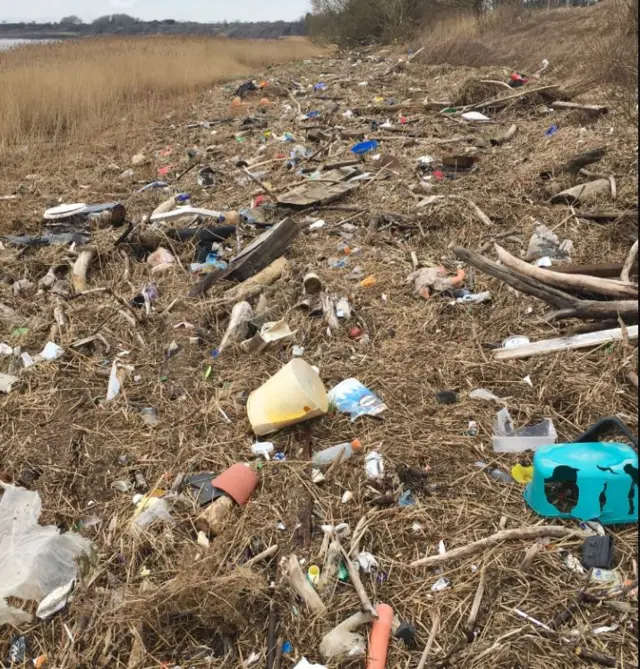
565	343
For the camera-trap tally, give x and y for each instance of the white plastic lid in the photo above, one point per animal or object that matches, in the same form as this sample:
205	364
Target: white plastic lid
64	211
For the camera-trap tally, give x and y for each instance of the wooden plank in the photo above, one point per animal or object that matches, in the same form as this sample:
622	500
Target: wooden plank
254	257
565	343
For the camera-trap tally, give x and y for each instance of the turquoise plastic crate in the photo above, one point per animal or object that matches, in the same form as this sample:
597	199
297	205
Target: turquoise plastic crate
587	481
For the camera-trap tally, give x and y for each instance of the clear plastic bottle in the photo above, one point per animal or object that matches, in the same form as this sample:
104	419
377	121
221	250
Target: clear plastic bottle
329	455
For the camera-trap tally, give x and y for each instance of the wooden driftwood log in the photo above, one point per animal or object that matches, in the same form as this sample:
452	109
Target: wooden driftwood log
524	533
504	137
80	268
629	262
592	191
256	284
575	282
301	585
257	255
567	305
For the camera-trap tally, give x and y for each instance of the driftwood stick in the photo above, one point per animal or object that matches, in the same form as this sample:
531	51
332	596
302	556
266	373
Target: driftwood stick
524	533
475	607
80	267
560	104
265	555
629	262
565	343
256	284
435	626
569	306
515	280
504	137
576	282
301	586
367	606
262	185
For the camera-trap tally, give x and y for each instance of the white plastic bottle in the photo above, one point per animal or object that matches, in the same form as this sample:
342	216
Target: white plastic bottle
329	455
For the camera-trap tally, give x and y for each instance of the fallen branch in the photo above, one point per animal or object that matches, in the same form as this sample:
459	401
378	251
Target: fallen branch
367	606
80	267
301	585
435	626
632	258
565	343
560	104
524	533
575	282
475	608
569	306
504	137
256	284
265	555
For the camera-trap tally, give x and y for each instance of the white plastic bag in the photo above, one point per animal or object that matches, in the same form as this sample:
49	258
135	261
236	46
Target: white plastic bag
34	559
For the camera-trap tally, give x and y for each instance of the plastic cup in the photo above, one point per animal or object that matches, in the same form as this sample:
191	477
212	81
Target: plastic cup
291	396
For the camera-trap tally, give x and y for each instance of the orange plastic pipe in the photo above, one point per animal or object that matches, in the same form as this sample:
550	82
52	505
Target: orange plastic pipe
379	639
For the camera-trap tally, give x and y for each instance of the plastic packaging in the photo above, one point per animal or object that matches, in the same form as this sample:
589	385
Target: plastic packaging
352	397
507	439
329	455
497	474
35	559
293	395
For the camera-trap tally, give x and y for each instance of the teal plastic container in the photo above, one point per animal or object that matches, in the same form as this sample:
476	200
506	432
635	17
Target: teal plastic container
586	481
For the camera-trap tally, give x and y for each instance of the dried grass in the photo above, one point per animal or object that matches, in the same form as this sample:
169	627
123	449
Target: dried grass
161	597
56	90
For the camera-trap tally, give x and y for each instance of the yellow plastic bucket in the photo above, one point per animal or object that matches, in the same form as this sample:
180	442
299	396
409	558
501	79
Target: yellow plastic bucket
291	396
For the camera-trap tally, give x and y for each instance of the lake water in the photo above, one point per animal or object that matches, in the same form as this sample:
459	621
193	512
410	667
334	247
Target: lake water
6	44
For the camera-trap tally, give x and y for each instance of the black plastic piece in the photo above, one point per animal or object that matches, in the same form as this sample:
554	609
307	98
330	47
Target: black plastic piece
447	397
406	632
605	425
597	552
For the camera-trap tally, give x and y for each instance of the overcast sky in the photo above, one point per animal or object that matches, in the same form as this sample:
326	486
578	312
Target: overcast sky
182	10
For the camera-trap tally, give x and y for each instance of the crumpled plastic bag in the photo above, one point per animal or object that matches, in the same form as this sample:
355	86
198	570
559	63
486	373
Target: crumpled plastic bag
34	559
545	243
430	280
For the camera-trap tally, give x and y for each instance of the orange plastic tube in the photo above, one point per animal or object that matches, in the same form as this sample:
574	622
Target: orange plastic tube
379	639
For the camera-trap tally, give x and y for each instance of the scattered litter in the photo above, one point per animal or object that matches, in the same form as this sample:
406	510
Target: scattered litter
367	562
484	394
263	449
364	147
474	116
292	395
507	439
305	664
447	396
515	340
441	584
545	243
374	465
352	397
36	559
6	382
522	474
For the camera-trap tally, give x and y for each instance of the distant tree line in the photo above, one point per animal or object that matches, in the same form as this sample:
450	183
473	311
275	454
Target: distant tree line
354	22
123	24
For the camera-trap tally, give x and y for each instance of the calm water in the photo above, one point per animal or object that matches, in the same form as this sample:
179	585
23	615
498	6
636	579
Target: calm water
6	44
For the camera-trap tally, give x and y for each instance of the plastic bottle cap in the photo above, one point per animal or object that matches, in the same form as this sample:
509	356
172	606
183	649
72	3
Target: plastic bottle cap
356	444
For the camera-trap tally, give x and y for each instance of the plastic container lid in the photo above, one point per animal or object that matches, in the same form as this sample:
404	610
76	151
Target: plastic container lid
64	211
